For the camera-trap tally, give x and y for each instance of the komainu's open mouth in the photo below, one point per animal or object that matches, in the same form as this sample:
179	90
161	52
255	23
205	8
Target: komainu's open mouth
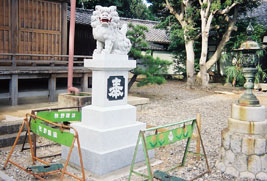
104	20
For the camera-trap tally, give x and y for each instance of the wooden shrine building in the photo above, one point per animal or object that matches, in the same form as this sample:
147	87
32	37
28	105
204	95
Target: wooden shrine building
33	50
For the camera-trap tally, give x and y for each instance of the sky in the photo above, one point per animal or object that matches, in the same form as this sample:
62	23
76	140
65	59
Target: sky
146	3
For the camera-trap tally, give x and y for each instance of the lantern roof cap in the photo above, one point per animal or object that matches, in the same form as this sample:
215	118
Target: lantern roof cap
249	44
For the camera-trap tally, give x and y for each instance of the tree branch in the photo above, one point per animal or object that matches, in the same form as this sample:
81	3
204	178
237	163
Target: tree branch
208	8
228	8
182	11
178	16
197	36
209	22
226	36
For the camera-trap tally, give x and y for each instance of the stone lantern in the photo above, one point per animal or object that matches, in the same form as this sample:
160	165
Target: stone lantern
249	61
243	152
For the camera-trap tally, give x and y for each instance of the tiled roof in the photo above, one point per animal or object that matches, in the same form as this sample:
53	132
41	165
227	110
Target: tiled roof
83	16
153	35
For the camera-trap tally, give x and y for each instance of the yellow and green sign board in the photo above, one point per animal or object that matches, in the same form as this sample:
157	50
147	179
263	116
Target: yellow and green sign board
53	134
168	137
152	138
63	138
60	116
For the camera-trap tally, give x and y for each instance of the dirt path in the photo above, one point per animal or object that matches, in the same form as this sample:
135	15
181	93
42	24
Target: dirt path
172	102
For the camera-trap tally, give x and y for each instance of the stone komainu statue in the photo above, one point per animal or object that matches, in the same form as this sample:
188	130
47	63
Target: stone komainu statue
110	38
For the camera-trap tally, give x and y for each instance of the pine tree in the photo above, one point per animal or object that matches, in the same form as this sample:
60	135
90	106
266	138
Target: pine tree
153	69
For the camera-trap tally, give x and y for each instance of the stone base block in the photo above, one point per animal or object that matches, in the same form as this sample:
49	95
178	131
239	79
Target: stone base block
247	127
243	155
108	117
69	100
103	163
245	113
110	62
100	140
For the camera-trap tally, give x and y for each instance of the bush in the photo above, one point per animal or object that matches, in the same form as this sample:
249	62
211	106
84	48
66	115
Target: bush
235	76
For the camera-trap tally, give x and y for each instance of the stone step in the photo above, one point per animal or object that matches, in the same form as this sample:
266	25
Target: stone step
9	139
10	127
9	131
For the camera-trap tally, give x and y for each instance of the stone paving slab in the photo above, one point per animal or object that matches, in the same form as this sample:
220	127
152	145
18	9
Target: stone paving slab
14	113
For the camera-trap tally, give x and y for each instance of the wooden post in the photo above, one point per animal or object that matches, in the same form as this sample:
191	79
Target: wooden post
13	90
84	82
64	29
14	26
198	138
52	88
13	83
14	30
71	46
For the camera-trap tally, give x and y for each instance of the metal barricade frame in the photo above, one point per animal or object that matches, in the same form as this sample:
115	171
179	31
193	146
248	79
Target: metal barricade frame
183	130
34	140
40	126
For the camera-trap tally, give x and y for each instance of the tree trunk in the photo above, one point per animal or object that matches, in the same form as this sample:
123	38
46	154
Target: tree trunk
205	29
215	57
204	76
190	60
202	62
132	81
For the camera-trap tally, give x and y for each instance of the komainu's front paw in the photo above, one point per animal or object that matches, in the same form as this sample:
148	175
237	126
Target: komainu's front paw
97	51
105	51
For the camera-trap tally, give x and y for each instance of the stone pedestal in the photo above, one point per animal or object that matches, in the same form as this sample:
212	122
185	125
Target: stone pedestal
69	100
109	130
243	152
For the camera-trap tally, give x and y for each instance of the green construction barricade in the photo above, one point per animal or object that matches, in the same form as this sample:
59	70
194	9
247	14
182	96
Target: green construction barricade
50	125
180	131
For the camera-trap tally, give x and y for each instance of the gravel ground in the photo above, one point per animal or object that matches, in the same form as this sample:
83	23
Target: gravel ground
172	102
169	103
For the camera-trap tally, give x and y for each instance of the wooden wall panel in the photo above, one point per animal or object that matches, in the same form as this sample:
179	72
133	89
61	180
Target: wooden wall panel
33	27
39	27
83	40
5	27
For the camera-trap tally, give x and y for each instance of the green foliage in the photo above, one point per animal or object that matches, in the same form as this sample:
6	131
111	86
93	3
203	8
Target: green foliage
125	8
240	36
227	3
152	68
204	5
137	36
235	76
260	75
215	5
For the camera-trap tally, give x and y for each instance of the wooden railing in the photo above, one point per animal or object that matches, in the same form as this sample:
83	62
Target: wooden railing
14	67
14	60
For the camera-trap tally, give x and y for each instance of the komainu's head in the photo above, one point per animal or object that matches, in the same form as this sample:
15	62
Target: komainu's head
105	16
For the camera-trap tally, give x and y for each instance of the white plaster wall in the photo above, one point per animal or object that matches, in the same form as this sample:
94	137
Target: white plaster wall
165	55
